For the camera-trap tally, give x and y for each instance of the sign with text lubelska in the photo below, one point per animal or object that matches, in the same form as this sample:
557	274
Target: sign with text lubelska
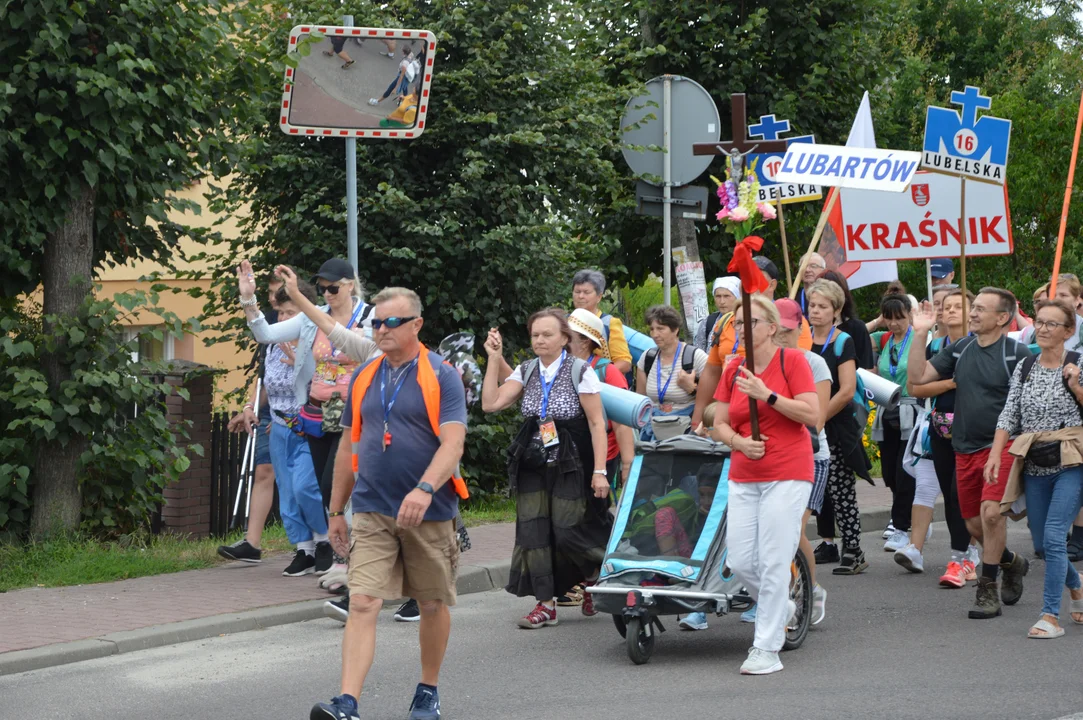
924	222
964	144
850	167
767	164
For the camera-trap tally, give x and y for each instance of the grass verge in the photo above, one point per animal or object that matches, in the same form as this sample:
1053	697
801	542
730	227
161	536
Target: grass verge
80	561
488	511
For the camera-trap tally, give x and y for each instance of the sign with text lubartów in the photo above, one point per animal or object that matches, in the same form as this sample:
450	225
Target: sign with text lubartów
849	167
924	222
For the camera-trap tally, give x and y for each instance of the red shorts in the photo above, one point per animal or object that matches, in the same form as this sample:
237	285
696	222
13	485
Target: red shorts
970	479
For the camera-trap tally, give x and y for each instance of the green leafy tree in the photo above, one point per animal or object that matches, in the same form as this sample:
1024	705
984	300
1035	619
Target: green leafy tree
107	107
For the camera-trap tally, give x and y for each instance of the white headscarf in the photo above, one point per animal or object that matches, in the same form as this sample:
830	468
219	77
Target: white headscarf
733	284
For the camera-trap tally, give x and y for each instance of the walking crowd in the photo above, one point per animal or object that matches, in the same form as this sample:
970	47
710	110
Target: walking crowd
989	419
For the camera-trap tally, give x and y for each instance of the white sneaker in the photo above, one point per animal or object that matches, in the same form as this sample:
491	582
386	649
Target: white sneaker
819	604
761	662
693	621
373	101
889	530
791	622
897	541
910	558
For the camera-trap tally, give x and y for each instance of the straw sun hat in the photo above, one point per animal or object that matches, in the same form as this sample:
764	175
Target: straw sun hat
588	324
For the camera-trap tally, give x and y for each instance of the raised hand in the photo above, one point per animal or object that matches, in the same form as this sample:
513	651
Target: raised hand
246	280
494	344
924	318
289	279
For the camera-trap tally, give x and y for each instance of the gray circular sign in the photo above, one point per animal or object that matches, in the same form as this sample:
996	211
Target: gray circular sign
694	119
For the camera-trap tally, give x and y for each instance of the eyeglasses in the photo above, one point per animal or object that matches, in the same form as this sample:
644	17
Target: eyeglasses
739	324
1043	324
814	266
333	289
391	322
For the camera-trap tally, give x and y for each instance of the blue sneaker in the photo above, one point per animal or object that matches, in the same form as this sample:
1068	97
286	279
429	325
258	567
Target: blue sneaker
693	621
749	616
343	707
426	704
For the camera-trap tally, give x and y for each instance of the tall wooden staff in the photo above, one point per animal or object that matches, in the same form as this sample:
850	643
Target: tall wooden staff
1067	201
752	281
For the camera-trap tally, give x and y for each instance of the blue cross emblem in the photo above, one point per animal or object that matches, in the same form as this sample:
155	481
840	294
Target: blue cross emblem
769	128
970	100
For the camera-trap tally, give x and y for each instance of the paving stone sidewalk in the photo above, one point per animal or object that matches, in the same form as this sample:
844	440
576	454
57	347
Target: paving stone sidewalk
39	617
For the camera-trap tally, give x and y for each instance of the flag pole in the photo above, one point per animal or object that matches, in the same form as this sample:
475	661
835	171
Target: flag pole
785	247
750	360
1067	200
962	243
832	198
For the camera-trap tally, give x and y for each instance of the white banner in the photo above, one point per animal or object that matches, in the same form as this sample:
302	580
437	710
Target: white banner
924	222
852	167
692	285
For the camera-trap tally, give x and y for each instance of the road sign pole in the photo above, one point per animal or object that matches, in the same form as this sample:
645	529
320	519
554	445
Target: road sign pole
667	191
929	278
351	187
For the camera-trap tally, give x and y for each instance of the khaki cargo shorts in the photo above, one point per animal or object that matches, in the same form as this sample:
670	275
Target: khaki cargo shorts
389	562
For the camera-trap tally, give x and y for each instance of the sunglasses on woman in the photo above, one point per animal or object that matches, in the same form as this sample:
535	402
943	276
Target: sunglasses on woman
333	289
391	322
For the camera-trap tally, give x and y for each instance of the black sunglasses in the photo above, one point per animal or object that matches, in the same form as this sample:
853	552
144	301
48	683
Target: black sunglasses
391	322
333	289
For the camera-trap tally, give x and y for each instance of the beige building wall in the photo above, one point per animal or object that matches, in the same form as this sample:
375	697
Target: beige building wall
224	356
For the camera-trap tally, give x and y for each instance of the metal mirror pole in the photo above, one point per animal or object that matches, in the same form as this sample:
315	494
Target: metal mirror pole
667	191
351	187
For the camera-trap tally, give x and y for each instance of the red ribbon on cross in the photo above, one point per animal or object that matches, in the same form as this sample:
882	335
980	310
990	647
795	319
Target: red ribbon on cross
752	278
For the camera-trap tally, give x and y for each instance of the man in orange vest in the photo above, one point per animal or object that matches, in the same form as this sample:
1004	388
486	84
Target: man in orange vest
404	428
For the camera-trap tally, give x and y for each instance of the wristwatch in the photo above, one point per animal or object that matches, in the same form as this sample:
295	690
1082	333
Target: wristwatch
425	487
772	399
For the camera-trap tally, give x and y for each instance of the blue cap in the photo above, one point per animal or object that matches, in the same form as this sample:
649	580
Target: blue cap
942	267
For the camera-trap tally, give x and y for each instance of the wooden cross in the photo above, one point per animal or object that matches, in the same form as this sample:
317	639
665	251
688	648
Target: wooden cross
741	142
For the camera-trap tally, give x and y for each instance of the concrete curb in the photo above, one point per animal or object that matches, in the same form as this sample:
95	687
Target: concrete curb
473	578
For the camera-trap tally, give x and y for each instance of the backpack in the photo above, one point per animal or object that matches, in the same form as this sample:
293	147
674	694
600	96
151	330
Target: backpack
862	400
688	359
1070	357
412	69
966	343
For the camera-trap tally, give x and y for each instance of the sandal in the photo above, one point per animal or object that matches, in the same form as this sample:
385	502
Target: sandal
348	64
1075	607
852	563
1047	630
328	53
572	598
1075	551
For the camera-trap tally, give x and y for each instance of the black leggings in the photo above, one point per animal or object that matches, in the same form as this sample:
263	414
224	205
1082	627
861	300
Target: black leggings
944	461
323	451
902	483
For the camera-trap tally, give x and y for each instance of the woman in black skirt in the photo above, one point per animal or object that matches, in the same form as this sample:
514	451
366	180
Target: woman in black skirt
556	466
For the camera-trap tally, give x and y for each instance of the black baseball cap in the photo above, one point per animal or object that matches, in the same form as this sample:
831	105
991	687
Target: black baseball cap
334	270
769	268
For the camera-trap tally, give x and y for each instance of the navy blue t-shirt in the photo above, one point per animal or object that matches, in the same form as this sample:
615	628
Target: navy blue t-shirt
386	477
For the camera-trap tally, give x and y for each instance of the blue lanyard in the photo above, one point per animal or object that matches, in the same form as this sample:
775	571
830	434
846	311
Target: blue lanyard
546	387
353	319
804	310
658	378
894	367
384	377
827	342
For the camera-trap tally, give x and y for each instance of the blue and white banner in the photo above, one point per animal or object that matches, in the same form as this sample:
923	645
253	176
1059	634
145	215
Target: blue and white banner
852	167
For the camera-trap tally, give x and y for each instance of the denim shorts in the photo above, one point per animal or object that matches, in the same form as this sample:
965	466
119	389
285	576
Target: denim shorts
263	442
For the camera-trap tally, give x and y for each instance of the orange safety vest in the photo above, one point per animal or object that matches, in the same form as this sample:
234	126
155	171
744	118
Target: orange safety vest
430	393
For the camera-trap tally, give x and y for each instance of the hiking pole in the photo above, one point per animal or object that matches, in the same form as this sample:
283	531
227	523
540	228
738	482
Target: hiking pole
240	479
252	463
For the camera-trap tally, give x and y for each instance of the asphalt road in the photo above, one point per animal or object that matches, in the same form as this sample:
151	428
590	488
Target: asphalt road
893	646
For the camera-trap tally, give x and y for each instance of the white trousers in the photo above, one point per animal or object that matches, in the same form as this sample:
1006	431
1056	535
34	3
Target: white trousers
763	528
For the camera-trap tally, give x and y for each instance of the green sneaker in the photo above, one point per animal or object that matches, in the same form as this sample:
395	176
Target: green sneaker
1012	585
987	604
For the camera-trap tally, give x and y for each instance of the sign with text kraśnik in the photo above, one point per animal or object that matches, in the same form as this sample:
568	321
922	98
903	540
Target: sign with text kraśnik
964	144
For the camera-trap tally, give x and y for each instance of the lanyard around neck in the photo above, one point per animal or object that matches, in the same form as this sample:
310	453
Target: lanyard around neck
893	367
662	389
827	342
546	387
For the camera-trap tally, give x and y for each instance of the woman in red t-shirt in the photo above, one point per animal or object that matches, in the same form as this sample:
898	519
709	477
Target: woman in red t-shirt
770	479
